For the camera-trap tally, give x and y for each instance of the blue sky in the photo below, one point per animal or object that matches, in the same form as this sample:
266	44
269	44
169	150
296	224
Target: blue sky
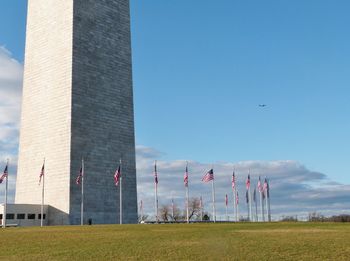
202	67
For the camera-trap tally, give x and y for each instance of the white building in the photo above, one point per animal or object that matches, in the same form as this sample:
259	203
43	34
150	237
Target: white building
23	215
77	103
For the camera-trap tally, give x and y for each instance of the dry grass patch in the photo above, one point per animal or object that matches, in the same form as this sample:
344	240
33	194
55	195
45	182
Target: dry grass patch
245	241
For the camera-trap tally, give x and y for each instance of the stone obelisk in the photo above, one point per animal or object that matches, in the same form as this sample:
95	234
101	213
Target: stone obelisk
78	103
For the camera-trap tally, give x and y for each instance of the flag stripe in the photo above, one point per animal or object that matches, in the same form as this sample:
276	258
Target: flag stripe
233	180
155	174
117	176
248	182
186	177
42	173
80	176
260	189
208	176
4	175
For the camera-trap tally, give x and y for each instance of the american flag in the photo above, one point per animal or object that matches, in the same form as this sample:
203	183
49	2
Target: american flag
42	172
208	176
155	174
80	176
237	198
4	175
233	180
265	185
186	177
247	184
226	200
117	176
259	185
264	192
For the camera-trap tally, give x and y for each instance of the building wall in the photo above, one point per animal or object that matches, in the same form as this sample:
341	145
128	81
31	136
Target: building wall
78	102
102	112
46	104
26	209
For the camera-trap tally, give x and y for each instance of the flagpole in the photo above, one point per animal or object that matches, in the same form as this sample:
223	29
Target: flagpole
141	203
234	196
172	207
249	217
256	206
266	208
226	208
269	210
261	201
42	198
250	202
82	193
156	202
201	202
187	211
6	188
268	200
187	195
156	193
237	208
121	194
213	191
234	204
249	208
263	206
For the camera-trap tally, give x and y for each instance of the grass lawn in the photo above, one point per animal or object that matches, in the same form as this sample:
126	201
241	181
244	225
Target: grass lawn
245	241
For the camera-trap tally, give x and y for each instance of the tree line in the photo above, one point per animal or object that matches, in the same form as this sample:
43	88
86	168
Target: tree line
173	213
317	217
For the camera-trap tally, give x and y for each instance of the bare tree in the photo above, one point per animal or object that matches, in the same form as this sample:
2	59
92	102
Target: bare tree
316	217
194	208
289	219
339	218
143	218
177	214
164	212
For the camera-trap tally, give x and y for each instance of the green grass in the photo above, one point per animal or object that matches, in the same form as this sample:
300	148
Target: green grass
275	241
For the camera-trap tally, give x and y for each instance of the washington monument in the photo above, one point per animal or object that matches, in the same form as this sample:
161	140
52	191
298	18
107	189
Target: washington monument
78	103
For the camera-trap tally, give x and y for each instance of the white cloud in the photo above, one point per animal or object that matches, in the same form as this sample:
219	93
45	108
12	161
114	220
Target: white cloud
295	190
11	68
11	74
